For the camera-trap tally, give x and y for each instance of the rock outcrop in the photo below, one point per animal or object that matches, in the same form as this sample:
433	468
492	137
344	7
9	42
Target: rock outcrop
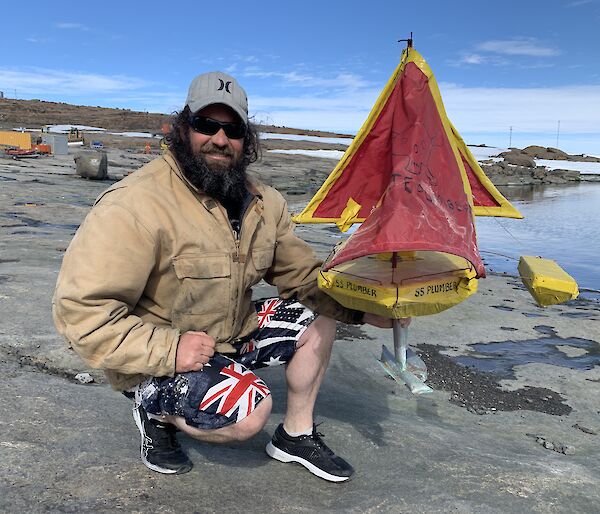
549	153
503	173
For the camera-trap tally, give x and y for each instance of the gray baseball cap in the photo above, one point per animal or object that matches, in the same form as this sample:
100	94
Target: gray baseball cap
217	87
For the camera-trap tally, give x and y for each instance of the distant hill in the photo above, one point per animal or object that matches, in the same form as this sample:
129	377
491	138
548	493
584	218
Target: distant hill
35	113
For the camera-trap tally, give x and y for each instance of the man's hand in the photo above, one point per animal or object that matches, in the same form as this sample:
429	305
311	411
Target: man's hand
382	322
193	351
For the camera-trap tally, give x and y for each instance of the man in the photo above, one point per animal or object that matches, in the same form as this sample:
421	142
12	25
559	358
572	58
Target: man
155	289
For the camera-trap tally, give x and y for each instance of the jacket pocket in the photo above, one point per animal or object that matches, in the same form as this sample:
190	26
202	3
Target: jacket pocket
262	258
205	284
261	261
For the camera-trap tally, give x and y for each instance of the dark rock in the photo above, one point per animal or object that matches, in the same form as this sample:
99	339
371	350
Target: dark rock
585	430
92	165
562	176
519	159
535	151
583	158
557	154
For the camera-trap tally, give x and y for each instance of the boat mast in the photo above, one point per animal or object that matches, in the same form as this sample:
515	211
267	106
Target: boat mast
409	41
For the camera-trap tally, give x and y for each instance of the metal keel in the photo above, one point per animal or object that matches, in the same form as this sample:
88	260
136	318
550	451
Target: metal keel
405	366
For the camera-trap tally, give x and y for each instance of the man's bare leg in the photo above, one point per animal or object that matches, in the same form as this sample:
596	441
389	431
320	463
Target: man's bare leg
245	429
297	441
304	375
305	372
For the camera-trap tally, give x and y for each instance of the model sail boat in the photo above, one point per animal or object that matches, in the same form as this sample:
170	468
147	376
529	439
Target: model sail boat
411	181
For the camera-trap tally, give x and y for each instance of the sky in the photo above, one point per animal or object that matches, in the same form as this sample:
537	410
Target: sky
510	73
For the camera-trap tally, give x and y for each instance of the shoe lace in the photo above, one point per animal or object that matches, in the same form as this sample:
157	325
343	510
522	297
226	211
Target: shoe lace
320	443
166	436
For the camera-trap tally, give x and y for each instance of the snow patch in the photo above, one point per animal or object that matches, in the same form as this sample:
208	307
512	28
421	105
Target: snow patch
300	137
133	134
64	129
585	168
327	154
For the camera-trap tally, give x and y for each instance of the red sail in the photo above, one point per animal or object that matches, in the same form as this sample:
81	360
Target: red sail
425	205
362	175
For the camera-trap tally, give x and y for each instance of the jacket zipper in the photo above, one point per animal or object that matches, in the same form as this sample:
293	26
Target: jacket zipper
237	236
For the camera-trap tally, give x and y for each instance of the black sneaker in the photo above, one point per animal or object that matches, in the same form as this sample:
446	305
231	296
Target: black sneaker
160	449
311	452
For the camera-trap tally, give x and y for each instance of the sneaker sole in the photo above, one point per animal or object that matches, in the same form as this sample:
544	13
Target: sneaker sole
153	467
280	455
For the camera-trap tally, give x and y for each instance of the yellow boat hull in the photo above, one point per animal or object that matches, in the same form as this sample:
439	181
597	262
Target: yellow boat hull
430	283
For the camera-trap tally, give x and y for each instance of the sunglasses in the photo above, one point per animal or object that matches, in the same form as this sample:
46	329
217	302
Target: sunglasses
210	127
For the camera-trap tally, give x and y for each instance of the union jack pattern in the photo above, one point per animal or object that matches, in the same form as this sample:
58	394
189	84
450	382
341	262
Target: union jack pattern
267	311
238	391
248	346
226	390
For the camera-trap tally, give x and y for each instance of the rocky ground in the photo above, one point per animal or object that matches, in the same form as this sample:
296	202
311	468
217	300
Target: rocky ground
512	425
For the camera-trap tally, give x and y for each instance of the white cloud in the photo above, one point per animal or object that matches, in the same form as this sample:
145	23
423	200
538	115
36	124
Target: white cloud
41	81
71	26
162	102
307	80
528	109
475	59
483	111
521	46
38	40
472	59
245	58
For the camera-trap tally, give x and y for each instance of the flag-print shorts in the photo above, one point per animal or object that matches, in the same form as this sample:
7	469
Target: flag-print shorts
225	391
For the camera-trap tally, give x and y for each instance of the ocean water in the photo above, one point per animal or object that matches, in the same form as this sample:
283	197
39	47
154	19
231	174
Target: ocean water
561	222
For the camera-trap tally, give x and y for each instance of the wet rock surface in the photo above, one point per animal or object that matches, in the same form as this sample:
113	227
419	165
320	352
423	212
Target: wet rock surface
481	393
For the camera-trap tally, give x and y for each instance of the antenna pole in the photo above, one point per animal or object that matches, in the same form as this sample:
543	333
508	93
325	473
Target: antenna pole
557	133
409	41
510	137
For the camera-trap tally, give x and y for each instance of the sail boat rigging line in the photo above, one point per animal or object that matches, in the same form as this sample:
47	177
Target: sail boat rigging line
401	282
353	275
520	243
499	255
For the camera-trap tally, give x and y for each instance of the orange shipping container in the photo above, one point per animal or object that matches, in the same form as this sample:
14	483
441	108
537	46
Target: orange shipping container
19	139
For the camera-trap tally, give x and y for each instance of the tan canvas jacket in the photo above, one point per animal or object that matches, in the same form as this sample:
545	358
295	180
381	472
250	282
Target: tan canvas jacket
155	258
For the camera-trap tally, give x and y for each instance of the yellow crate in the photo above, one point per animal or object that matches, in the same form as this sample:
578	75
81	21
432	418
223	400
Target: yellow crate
547	282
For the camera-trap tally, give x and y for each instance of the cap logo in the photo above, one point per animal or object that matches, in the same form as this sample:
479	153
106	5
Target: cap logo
224	85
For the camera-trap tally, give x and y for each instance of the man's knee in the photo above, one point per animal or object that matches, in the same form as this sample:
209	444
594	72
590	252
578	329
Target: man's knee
254	422
241	431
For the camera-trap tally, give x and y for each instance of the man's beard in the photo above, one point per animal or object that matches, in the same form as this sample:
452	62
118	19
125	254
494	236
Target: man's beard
227	184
